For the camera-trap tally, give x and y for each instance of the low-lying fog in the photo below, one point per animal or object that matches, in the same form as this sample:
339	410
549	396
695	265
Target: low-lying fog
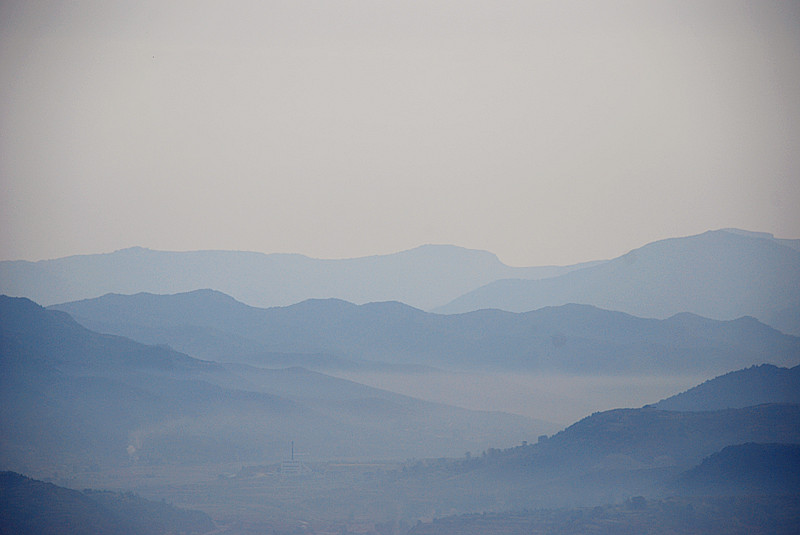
556	398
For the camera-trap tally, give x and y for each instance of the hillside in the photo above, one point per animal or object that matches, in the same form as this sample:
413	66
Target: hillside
571	338
74	399
604	458
742	388
634	438
720	274
31	507
424	277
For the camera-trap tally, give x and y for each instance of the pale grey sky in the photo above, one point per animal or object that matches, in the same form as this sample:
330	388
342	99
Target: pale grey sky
545	132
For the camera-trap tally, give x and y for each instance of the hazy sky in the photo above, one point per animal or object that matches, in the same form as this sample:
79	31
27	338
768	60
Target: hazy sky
545	132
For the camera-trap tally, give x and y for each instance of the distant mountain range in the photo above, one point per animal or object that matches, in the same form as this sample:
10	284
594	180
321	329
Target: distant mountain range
425	277
722	274
327	334
70	396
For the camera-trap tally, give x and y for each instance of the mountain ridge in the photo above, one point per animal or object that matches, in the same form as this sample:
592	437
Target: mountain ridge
718	274
572	337
70	396
426	276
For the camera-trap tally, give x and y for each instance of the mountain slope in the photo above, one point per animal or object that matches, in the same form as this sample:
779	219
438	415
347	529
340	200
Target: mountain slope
573	338
752	386
612	455
604	458
425	277
656	437
745	469
719	274
72	397
31	507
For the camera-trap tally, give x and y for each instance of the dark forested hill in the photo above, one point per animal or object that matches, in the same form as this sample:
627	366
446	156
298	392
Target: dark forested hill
31	507
721	274
752	386
571	338
745	469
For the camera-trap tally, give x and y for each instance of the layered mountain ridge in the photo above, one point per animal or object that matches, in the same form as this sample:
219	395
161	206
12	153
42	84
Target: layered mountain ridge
424	277
570	338
723	274
70	396
718	274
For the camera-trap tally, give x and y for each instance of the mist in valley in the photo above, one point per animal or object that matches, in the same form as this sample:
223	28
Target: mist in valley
555	398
